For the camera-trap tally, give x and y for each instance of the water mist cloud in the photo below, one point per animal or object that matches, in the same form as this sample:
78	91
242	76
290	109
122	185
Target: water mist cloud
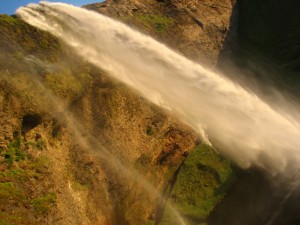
244	127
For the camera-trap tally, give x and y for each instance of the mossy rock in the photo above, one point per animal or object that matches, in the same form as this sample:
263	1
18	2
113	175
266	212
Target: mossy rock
201	183
25	38
157	23
65	84
19	172
43	204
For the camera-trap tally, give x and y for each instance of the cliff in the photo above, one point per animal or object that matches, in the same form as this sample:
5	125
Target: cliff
73	139
77	147
200	27
263	42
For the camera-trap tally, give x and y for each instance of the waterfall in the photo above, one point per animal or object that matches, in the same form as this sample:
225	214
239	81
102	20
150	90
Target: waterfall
231	118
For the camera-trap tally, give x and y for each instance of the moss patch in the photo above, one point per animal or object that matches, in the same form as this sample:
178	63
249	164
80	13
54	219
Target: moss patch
44	203
24	195
159	23
22	36
201	184
65	84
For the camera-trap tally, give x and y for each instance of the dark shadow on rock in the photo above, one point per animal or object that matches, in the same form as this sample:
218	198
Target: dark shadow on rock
261	52
30	121
257	199
262	48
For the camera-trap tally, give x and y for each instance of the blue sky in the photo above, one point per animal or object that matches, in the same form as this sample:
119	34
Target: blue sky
10	6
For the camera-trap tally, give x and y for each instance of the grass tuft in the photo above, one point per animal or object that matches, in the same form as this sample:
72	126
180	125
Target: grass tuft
159	23
44	203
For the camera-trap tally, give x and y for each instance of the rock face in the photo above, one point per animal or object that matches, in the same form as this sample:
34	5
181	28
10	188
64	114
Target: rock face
199	26
273	28
73	141
77	147
264	40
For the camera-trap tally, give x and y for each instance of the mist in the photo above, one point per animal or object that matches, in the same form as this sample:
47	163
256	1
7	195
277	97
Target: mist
234	120
57	108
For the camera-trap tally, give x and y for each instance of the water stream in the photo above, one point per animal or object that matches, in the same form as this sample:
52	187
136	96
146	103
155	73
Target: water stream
237	121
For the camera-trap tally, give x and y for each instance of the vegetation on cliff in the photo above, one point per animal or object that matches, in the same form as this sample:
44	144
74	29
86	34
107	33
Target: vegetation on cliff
35	71
197	29
152	22
20	39
25	193
201	183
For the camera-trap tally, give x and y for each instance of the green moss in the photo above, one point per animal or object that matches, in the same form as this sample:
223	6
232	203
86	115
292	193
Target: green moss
66	84
159	23
8	19
16	182
120	102
39	165
15	146
18	55
7	190
150	222
202	182
13	153
78	186
9	158
44	203
14	219
40	144
16	173
28	36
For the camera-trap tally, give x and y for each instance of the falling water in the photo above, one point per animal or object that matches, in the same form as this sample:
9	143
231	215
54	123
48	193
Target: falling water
237	121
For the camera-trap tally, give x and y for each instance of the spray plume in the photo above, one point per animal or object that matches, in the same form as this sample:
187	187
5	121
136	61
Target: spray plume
237	121
85	140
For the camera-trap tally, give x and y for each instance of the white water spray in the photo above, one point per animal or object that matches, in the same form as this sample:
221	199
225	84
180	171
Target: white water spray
87	141
246	129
